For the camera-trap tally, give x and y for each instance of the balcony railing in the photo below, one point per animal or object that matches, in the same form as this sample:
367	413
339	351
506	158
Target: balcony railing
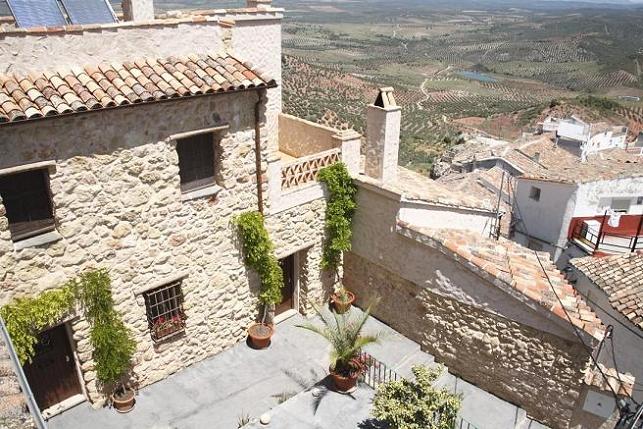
305	170
595	235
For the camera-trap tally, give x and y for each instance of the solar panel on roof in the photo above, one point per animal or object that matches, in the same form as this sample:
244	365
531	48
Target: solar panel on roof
37	13
89	11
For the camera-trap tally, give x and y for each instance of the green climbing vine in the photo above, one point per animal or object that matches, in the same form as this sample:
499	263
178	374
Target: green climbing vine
260	256
26	317
339	213
112	343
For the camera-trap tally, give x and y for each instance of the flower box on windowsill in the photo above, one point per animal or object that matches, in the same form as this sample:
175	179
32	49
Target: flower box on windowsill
164	329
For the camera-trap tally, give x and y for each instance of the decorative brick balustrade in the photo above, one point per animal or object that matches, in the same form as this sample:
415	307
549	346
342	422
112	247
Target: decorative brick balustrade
305	170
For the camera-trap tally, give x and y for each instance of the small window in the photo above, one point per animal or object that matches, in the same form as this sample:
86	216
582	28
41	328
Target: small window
620	205
639	201
534	193
164	308
196	161
27	201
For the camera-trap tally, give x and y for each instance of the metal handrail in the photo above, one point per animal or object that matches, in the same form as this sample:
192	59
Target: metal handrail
34	410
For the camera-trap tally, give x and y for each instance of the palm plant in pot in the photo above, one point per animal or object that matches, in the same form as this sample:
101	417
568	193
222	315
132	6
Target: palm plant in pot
259	255
342	300
344	333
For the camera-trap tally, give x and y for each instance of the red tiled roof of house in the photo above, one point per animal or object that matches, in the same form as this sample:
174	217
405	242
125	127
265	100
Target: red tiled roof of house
104	86
621	277
515	269
612	380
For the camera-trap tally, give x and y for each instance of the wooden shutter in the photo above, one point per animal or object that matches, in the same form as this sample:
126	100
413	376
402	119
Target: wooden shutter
28	203
196	161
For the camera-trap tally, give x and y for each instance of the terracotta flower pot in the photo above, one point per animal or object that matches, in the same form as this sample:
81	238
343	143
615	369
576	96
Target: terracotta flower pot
124	401
260	334
343	384
342	307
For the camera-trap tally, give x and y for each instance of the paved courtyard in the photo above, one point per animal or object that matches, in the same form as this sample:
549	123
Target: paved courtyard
286	380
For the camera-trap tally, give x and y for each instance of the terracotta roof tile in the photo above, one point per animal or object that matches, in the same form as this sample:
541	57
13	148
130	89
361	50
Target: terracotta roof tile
517	269
622	384
109	85
621	278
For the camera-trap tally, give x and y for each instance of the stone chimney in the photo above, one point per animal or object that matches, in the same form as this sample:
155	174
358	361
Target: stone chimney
138	10
383	137
258	4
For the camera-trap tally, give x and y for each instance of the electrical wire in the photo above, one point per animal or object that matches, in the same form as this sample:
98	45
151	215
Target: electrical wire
575	329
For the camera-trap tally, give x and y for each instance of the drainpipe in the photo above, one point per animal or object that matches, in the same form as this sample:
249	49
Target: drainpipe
260	96
22	379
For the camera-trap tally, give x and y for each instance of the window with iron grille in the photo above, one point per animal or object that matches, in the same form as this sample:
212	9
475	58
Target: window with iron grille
197	161
164	308
27	201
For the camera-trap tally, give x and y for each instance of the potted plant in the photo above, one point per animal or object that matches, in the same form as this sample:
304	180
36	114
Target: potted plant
259	255
344	333
162	327
342	300
112	341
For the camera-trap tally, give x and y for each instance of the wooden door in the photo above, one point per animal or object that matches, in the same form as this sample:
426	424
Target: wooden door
288	290
52	373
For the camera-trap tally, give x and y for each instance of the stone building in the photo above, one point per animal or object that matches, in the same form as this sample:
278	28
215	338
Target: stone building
132	146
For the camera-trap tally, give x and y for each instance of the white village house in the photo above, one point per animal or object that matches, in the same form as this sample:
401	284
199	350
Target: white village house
133	145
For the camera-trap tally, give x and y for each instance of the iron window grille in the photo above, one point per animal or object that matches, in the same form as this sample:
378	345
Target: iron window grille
164	308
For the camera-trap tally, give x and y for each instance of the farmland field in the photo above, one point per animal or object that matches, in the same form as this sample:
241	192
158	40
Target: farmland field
458	69
493	67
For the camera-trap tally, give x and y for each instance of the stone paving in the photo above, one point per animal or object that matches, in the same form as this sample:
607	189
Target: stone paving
282	381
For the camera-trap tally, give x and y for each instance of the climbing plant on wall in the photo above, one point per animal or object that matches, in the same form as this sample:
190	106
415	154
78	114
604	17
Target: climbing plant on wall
260	256
26	317
112	343
339	213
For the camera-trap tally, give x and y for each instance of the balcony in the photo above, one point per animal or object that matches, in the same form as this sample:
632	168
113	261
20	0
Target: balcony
304	149
597	237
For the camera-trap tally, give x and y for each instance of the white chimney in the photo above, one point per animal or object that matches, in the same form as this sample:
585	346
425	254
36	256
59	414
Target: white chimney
383	120
138	10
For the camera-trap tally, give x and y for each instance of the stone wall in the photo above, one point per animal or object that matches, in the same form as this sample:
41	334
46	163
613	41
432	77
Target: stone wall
13	412
298	137
497	340
117	200
539	371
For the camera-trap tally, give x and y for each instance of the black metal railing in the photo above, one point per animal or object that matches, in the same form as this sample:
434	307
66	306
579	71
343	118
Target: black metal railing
600	240
376	372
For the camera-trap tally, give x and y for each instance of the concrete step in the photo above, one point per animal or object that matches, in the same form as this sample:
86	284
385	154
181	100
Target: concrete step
393	348
403	368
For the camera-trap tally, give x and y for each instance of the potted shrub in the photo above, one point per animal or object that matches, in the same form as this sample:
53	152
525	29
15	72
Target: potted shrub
344	333
342	300
340	209
259	255
113	345
416	403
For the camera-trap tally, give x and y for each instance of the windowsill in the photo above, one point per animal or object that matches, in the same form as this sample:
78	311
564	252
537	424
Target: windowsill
65	405
209	191
38	240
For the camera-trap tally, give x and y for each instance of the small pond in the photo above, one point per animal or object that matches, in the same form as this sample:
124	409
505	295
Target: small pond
474	75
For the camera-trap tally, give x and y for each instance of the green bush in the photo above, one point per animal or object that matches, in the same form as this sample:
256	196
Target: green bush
340	209
259	255
406	404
